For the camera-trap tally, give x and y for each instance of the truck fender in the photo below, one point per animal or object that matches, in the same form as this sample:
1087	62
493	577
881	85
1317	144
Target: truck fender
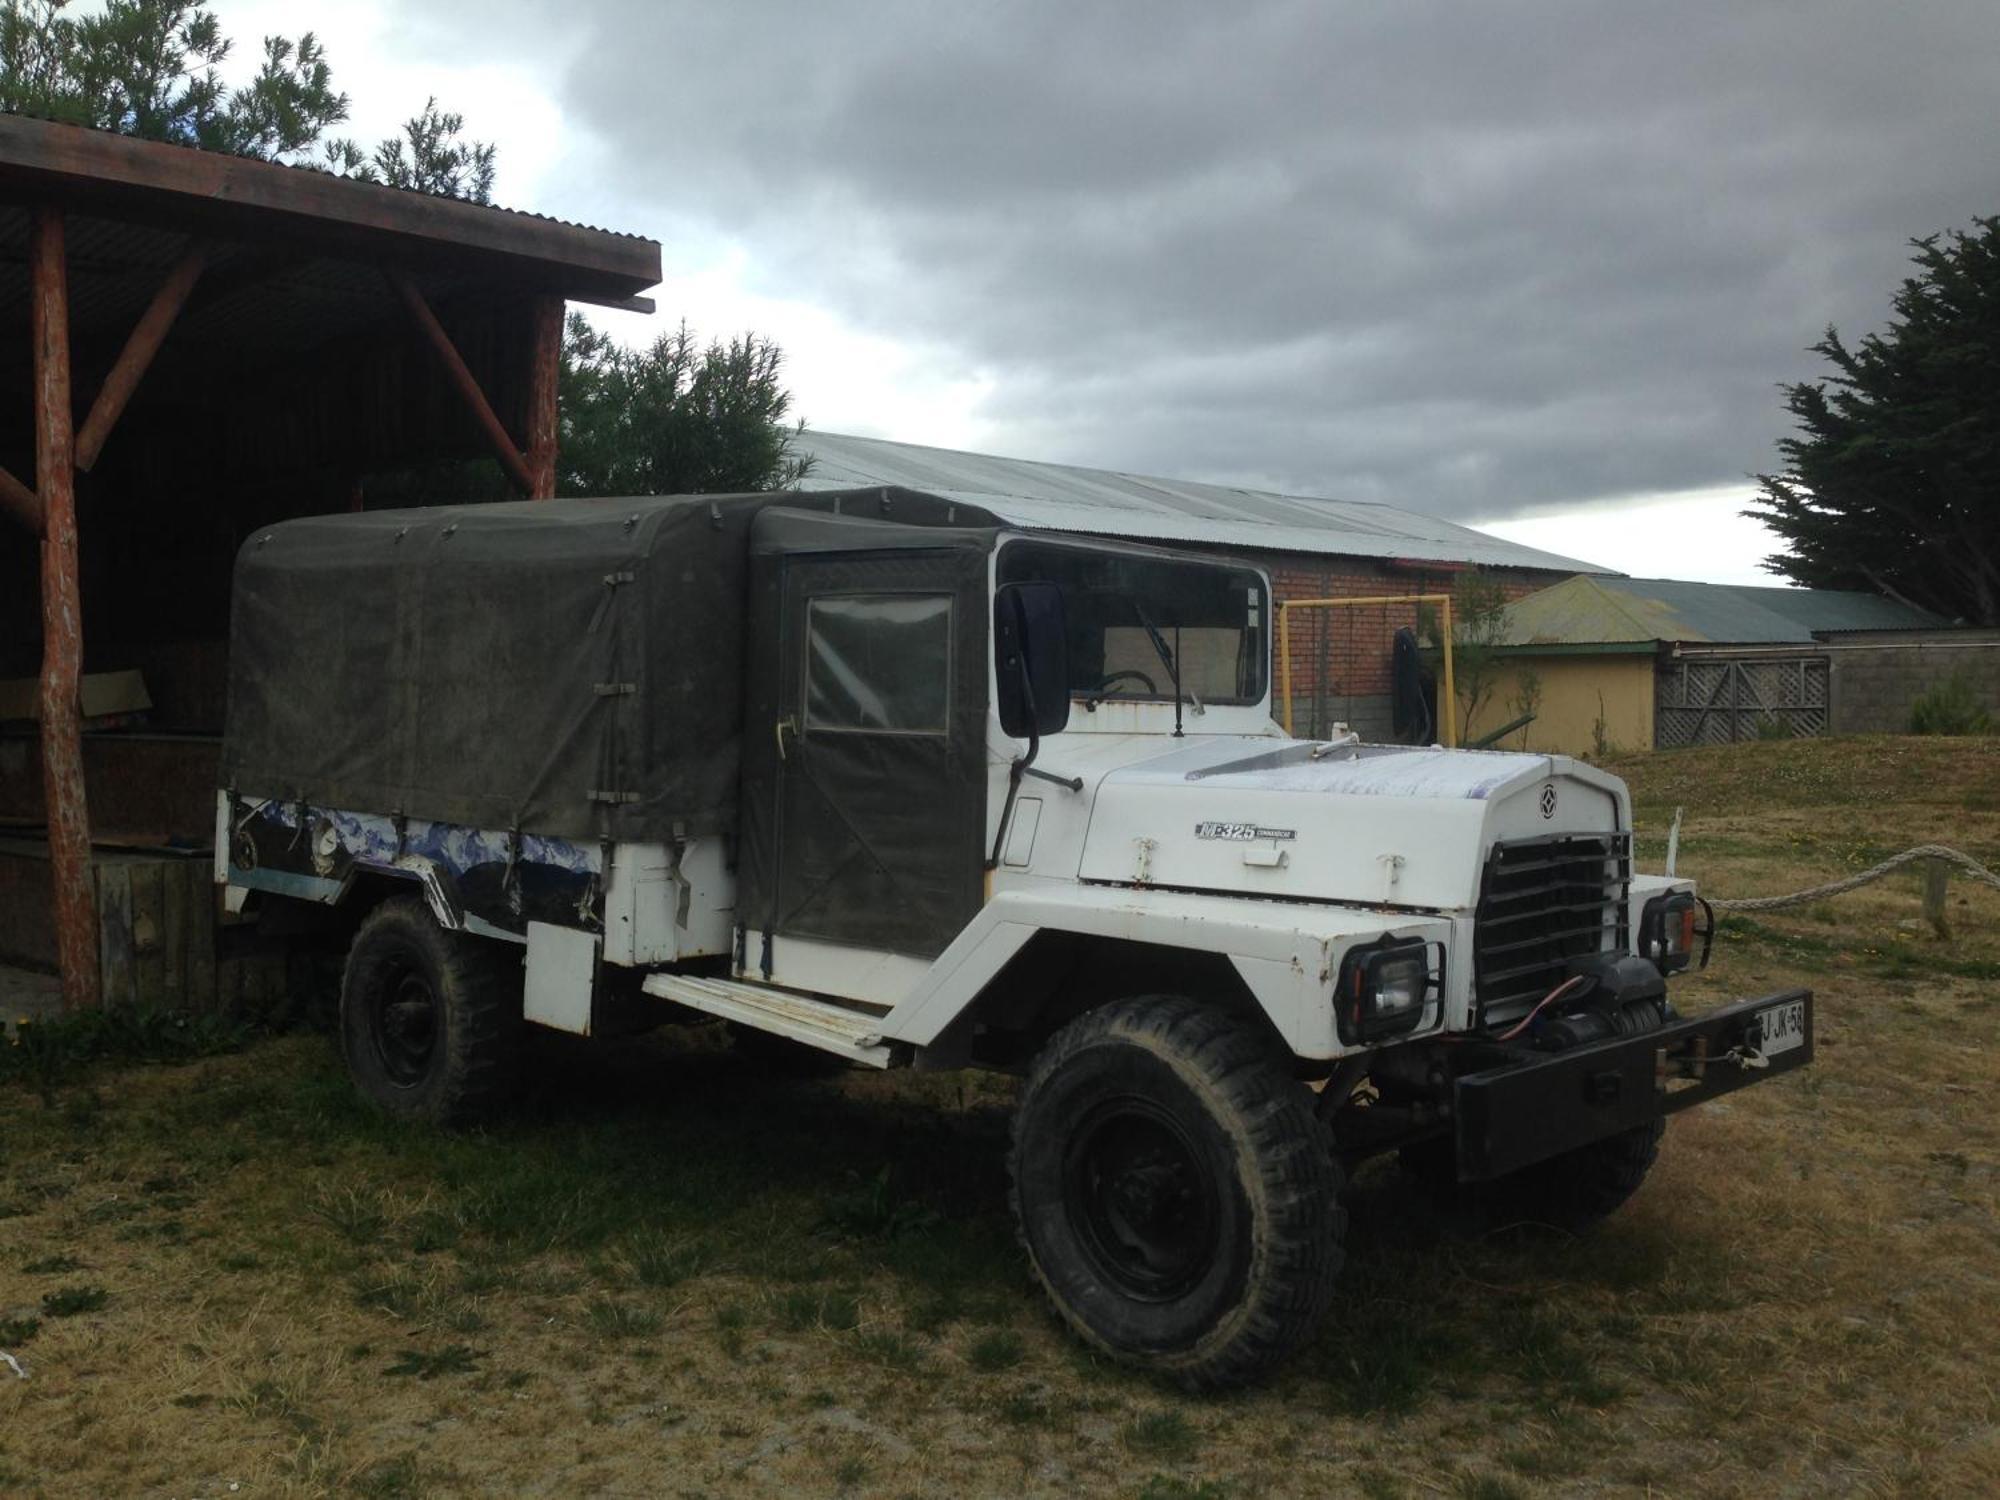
1288	955
413	869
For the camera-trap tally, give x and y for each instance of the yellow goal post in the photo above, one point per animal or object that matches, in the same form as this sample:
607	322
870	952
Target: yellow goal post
1447	694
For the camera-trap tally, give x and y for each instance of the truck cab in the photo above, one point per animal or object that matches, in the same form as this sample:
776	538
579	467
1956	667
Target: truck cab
879	777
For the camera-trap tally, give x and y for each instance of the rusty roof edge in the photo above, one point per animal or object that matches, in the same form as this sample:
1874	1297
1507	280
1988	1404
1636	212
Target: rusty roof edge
89	159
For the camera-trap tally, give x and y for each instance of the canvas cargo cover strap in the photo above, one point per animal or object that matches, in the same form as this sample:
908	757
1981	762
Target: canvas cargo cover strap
567	667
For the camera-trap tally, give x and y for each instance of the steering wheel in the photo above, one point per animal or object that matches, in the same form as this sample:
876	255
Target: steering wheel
1106	681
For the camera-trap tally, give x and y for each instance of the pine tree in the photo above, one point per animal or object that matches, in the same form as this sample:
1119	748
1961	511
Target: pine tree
674	418
152	68
1893	483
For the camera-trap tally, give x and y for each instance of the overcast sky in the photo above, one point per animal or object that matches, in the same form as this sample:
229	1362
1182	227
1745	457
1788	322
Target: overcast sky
1539	266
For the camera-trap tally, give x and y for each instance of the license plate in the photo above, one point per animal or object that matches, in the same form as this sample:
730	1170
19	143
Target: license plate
1784	1028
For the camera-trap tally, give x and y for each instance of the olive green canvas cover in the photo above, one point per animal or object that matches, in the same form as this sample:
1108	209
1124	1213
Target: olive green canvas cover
565	667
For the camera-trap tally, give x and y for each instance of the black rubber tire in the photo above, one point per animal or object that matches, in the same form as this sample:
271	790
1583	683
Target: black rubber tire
1580	1188
472	1059
1254	1147
1574	1191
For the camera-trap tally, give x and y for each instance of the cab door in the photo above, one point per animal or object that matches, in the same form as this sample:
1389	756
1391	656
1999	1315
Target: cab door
864	787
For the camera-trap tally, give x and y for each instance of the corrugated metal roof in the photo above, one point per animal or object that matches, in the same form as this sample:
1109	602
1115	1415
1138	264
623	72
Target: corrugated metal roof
1642	611
230	199
1106	502
1822	610
309	166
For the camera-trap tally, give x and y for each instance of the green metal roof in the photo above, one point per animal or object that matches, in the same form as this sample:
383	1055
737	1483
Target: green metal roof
1602	610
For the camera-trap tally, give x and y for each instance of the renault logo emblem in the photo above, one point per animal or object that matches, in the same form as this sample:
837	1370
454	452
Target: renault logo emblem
1549	800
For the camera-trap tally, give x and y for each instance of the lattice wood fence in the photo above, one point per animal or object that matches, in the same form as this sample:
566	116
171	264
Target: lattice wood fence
1713	702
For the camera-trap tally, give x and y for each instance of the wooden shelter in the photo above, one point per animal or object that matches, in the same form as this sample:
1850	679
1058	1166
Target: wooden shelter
204	344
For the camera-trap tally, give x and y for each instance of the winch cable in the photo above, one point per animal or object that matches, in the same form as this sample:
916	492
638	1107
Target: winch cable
1543	1004
1939	852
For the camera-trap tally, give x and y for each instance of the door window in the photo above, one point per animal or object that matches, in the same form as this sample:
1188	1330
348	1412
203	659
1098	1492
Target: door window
878	662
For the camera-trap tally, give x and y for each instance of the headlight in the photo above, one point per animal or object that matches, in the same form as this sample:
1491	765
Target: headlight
1667	931
1383	988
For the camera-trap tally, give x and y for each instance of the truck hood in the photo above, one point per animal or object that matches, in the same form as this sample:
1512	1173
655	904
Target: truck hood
1373	824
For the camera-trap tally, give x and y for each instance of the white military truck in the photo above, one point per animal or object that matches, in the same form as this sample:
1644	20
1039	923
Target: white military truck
875	774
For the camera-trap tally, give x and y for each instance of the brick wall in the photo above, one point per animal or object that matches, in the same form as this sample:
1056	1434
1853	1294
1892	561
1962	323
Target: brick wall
1341	657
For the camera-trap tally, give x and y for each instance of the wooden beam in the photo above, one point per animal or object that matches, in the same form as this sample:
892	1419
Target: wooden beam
137	355
497	436
22	503
66	810
544	364
234	197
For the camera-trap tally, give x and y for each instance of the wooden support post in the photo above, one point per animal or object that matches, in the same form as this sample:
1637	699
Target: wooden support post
132	362
468	386
545	322
1937	881
62	617
21	502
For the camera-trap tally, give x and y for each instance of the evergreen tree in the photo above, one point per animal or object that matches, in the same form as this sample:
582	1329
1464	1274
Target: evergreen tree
1893	483
674	418
152	68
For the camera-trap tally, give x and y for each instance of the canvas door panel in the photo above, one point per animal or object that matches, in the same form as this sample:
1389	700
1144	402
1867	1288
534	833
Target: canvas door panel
879	792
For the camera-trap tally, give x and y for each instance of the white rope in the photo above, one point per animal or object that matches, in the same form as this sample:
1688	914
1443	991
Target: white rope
1938	852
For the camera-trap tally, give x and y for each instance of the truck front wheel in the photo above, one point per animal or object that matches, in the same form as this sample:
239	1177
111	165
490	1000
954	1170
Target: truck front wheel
1571	1192
1176	1193
430	1021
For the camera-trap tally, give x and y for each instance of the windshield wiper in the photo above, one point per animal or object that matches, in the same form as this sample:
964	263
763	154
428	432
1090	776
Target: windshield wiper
1171	659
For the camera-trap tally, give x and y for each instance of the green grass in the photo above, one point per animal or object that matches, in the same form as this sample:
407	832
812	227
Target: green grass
1001	1349
69	1301
1162	1434
1172	1487
15	1332
1885	958
612	1318
691	1256
803	1309
662	1260
455	1359
849	1472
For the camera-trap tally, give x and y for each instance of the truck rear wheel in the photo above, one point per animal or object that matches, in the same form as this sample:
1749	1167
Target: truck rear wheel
1176	1193
430	1020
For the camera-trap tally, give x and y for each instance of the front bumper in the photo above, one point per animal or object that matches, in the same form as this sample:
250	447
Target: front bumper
1520	1113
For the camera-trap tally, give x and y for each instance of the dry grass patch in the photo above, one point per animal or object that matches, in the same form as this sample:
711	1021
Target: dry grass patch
670	1274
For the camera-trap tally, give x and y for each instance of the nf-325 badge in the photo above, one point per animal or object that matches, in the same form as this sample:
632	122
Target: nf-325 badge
1244	832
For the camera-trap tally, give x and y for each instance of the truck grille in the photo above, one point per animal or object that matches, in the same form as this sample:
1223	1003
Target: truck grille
1543	902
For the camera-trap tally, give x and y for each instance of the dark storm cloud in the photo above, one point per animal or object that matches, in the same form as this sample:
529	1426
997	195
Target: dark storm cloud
1465	257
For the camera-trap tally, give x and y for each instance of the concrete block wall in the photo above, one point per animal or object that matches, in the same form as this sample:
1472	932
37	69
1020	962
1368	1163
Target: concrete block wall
1875	683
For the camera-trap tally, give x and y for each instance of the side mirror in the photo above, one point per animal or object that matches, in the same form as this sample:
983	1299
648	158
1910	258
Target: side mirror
1031	659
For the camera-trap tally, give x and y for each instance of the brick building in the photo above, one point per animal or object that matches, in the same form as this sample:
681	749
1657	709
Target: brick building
1312	548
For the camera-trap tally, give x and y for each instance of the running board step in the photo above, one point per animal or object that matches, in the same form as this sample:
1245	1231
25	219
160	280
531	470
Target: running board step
816	1023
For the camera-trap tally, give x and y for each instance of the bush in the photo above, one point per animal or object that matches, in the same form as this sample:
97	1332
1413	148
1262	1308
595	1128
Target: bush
1952	707
51	1051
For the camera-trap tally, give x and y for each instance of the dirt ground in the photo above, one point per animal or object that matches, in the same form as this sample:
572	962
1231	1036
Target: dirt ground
672	1274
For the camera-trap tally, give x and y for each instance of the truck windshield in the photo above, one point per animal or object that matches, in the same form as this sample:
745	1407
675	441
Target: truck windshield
1115	604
